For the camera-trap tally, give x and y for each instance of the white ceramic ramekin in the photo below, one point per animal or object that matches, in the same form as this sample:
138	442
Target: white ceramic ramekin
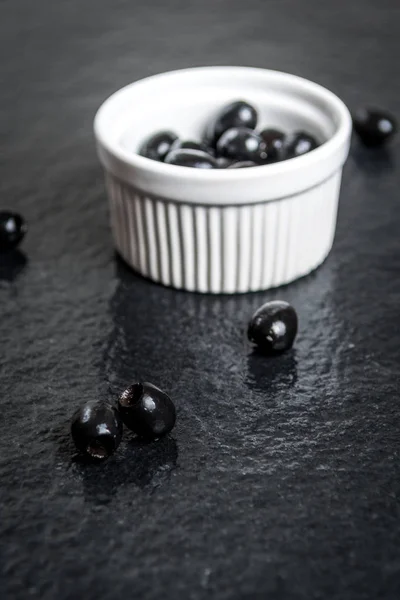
228	230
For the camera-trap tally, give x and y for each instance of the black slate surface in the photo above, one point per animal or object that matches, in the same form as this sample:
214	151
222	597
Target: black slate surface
281	479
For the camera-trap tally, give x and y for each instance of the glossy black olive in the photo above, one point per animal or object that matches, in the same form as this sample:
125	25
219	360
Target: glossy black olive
242	164
236	114
97	429
273	327
223	163
191	158
158	145
373	126
300	143
241	144
190	145
12	230
147	410
275	142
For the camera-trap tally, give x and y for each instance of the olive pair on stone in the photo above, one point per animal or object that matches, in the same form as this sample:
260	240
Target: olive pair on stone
143	408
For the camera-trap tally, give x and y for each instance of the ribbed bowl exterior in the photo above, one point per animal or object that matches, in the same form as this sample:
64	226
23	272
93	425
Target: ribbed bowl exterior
222	248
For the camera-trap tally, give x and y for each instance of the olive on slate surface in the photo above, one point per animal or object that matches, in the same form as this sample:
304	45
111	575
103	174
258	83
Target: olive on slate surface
190	145
300	143
242	164
147	410
236	114
158	145
275	143
373	126
191	158
12	230
242	144
96	429
273	327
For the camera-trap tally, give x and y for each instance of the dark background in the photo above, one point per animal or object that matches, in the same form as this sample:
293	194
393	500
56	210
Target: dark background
281	479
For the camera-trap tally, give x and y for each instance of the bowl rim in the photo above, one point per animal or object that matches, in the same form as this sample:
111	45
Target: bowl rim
120	160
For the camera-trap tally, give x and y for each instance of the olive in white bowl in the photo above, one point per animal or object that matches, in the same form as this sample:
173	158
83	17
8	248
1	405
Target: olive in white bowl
223	230
231	137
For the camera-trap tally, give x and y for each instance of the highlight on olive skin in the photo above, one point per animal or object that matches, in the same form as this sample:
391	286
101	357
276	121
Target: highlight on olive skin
299	143
273	327
96	429
242	144
12	230
374	126
275	140
147	411
158	145
191	145
235	114
242	164
197	159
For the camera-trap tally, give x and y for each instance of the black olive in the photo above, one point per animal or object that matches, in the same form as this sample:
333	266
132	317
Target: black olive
300	143
241	144
236	114
12	230
275	143
373	126
242	164
191	158
147	410
273	327
97	429
190	145
223	163
158	145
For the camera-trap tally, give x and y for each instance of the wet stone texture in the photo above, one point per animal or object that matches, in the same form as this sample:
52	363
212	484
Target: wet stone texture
281	478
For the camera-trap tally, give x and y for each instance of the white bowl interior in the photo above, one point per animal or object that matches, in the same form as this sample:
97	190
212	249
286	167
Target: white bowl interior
186	101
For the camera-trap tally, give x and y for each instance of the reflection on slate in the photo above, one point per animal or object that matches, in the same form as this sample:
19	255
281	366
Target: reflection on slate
372	161
271	374
11	265
135	463
138	464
